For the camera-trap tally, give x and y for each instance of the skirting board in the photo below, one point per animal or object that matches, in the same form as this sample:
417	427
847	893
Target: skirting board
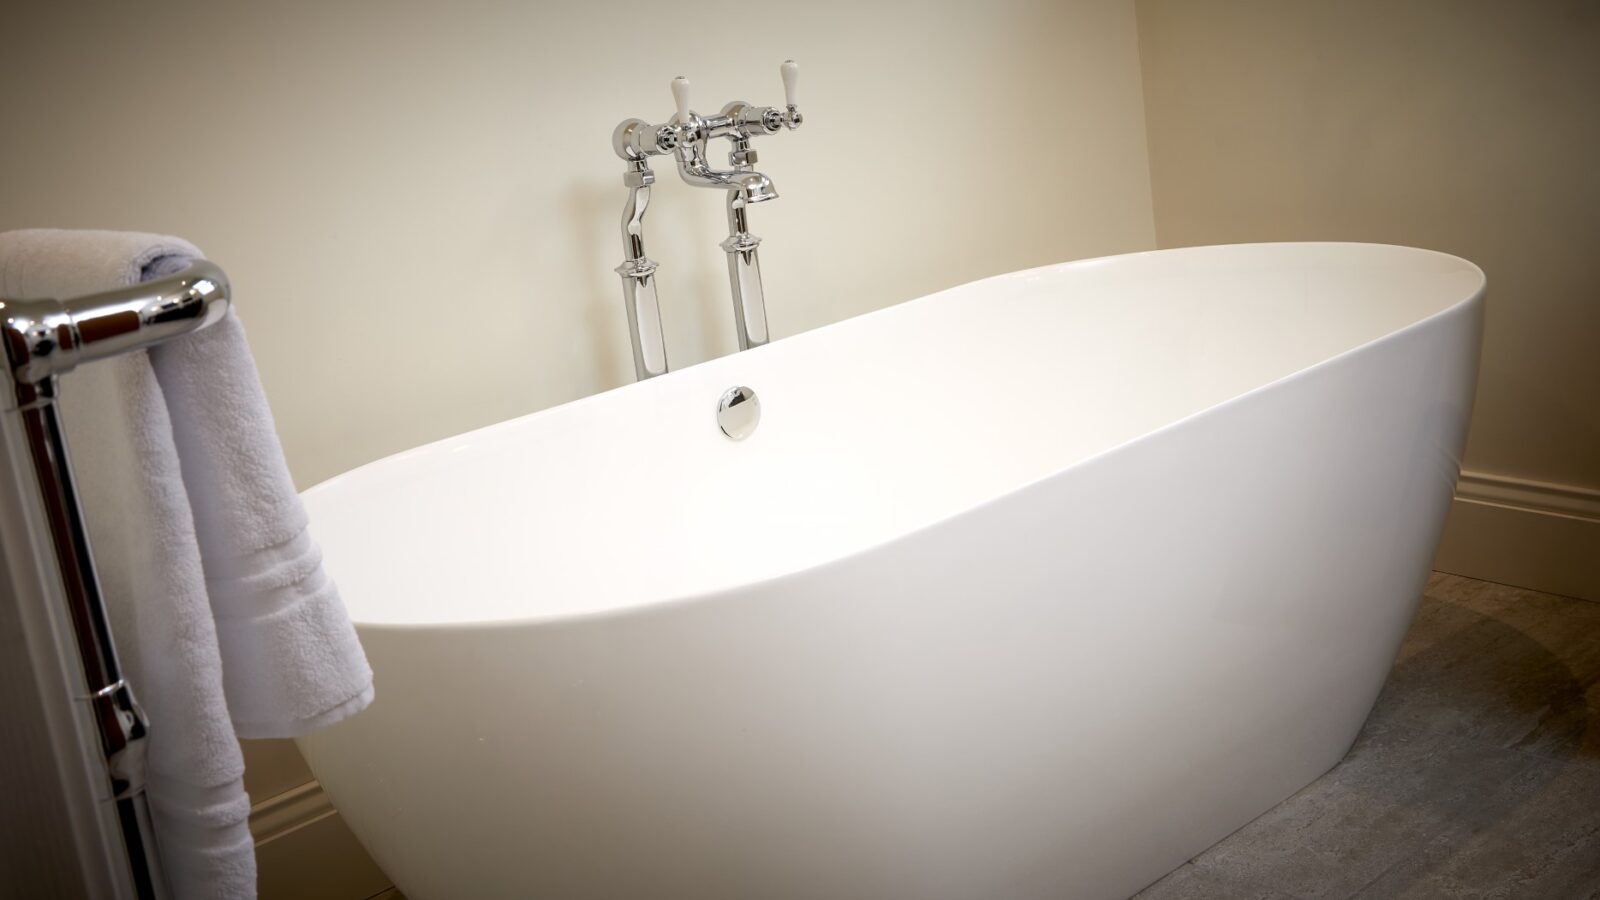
305	852
1544	537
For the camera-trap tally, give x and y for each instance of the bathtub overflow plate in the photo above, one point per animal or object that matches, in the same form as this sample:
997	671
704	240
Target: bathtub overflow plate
738	412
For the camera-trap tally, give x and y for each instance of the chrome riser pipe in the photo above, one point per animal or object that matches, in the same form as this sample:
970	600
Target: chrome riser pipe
744	277
639	287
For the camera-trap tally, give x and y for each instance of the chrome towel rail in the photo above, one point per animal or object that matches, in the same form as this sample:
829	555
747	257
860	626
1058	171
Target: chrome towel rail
49	337
65	613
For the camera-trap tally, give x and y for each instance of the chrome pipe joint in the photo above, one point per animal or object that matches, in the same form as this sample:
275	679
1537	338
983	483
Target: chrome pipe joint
687	134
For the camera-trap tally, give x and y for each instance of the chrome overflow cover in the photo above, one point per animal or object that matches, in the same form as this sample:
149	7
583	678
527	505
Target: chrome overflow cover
738	412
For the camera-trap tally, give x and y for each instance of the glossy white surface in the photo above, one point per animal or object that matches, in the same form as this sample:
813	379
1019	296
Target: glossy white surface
1031	588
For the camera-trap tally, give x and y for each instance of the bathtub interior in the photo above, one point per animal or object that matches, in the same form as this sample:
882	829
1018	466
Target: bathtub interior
871	429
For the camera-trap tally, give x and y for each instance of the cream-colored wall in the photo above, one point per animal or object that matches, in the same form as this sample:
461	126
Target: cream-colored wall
417	203
1468	126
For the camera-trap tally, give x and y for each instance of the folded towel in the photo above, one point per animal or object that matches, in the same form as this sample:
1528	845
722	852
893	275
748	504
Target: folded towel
224	619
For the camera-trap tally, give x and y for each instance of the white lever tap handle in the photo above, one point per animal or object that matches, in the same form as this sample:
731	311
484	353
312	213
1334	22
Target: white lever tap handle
680	96
791	80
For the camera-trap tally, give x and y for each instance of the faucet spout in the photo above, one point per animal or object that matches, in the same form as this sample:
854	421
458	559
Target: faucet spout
751	186
754	187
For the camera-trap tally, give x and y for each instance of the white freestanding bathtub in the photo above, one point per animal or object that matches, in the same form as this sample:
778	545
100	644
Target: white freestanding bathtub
1032	588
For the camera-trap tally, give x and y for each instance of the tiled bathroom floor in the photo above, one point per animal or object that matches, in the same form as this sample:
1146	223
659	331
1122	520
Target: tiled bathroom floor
1477	775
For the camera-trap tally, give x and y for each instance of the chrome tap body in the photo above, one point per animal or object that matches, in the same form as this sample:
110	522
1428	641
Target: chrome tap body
635	141
737	122
753	186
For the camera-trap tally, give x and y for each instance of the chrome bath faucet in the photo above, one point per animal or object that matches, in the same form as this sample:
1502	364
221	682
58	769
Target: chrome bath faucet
635	141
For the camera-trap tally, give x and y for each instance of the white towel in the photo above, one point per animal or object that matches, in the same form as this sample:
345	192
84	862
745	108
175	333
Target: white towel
223	617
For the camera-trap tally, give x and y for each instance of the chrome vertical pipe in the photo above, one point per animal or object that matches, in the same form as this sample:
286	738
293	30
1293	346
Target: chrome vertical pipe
118	722
744	275
639	280
634	142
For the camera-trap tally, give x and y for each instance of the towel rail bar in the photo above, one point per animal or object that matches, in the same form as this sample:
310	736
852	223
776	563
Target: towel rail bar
66	627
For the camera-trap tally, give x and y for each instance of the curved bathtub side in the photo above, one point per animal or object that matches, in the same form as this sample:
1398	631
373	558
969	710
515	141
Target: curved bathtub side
873	429
1066	692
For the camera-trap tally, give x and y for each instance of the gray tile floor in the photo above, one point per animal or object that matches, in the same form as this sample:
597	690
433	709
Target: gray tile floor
1477	775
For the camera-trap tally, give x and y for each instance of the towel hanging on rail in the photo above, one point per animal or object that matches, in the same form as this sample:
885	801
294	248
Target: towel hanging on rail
224	618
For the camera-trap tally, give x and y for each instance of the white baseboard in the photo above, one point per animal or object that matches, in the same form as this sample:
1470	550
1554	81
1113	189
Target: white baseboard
289	811
305	852
1532	534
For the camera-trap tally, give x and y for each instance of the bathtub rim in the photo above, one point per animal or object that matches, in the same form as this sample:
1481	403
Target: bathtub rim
1470	304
